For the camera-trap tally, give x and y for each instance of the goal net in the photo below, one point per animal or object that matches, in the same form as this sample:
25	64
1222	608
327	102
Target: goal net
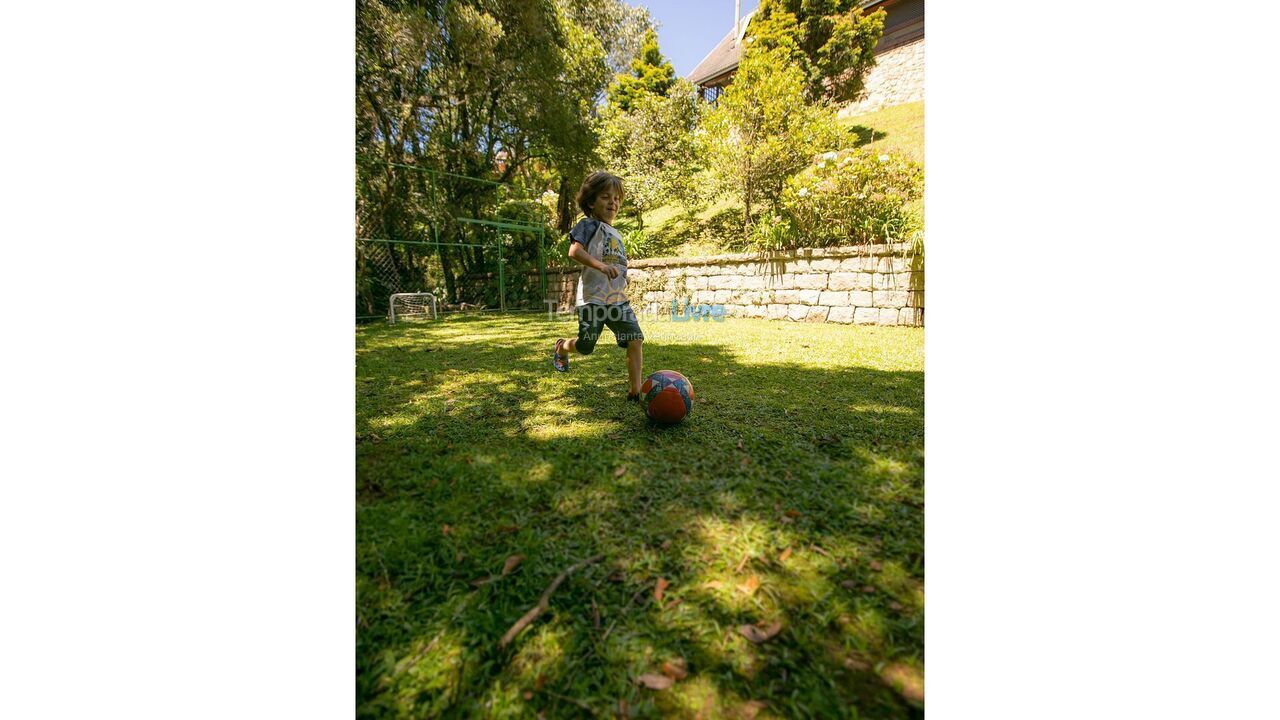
413	305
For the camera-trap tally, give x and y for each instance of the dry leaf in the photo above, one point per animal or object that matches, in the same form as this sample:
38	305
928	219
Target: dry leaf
749	587
793	513
446	530
739	444
615	576
620	471
751	709
511	564
666	544
528	694
713	585
905	680
746	461
785	520
895	606
654	681
742	564
857	663
675	669
868	589
848	584
671	605
508	528
661	588
785	554
481	581
758	634
875	565
540	682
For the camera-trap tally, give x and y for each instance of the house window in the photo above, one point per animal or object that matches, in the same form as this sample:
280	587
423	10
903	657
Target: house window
712	94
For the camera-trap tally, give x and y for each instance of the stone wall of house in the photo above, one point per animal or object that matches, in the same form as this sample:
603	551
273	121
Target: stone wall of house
872	285
897	78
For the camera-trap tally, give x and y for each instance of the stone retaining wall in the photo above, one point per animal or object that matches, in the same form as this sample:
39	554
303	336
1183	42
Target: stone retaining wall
897	78
876	285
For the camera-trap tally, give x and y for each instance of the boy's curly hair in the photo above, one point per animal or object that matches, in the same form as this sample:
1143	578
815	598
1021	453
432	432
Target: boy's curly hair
596	183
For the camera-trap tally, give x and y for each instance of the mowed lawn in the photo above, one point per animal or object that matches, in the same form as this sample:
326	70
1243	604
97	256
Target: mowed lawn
789	505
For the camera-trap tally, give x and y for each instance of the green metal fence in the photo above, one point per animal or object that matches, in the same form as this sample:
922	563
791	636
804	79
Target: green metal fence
476	244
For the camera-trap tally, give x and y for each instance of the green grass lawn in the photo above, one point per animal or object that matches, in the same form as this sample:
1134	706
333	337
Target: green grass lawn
900	127
792	494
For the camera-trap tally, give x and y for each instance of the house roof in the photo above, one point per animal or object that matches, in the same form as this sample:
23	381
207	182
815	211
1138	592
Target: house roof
724	57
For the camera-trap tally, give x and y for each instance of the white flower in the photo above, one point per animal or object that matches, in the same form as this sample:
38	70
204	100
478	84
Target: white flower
829	156
884	158
803	192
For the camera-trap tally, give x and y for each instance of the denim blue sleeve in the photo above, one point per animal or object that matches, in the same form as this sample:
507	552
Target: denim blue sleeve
584	231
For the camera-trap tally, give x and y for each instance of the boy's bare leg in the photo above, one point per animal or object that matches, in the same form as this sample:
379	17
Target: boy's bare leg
635	361
568	346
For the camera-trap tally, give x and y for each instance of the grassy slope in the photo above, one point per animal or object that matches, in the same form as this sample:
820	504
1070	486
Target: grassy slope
718	228
807	437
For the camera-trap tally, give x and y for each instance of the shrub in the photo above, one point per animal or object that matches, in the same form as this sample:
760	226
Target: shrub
860	196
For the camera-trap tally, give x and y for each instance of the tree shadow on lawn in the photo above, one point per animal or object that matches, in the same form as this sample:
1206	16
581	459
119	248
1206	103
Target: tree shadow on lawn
513	459
864	135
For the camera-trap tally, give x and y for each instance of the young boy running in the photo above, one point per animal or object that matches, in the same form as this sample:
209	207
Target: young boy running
602	298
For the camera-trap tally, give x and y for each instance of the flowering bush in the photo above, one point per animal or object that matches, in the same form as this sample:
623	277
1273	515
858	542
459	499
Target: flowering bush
859	196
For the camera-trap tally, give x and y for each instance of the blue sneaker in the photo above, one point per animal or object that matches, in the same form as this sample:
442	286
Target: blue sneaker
560	363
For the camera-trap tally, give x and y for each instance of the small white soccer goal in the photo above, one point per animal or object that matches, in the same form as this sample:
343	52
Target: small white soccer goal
408	305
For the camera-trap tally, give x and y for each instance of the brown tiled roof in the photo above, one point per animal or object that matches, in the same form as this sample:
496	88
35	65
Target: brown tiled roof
723	58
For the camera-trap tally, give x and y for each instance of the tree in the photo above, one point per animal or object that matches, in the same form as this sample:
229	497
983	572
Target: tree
651	74
830	40
654	146
449	85
763	130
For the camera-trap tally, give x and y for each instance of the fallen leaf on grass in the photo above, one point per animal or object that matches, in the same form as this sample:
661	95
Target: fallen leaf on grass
666	544
785	554
906	680
742	564
868	589
739	444
481	581
746	461
654	681
508	528
446	530
848	584
713	585
511	564
757	634
793	513
675	669
751	709
661	588
616	576
528	694
895	606
749	587
875	565
540	682
620	471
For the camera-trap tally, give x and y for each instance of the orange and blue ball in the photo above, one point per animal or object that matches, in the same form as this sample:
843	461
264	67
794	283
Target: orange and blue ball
667	397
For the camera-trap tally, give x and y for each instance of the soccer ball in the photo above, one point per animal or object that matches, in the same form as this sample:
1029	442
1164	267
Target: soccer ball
667	397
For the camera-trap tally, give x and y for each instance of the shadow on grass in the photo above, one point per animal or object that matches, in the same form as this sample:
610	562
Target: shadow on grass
482	438
864	135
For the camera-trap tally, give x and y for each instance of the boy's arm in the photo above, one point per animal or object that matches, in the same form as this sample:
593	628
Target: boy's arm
580	254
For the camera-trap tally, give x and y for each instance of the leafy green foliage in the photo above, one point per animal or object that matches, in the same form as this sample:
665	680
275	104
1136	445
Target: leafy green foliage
655	148
802	466
651	74
763	130
862	196
831	41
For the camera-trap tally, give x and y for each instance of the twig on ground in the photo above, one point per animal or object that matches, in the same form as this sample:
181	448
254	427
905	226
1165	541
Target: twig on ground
568	699
541	607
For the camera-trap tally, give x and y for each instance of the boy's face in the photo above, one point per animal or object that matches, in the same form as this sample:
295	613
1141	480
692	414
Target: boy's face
607	205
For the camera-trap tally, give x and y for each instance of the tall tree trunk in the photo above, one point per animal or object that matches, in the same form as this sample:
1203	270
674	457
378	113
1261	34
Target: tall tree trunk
565	207
450	285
